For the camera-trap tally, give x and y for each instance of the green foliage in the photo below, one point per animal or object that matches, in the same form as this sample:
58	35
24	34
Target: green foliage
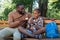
6	11
53	9
6	7
25	2
28	3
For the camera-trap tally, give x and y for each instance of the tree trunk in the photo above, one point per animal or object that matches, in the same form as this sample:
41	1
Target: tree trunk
30	7
43	7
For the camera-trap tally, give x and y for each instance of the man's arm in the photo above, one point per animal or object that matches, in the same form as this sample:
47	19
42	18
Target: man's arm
11	23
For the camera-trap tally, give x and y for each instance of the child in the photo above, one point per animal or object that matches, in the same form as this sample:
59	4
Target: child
35	23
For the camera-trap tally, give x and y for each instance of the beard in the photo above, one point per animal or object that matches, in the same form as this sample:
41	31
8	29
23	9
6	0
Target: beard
21	12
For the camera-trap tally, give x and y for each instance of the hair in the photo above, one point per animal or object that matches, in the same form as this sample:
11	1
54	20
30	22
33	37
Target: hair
19	4
38	10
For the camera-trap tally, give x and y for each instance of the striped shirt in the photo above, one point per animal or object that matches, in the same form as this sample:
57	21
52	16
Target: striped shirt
38	23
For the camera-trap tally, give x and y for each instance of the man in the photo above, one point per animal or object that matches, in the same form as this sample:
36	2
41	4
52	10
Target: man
35	25
14	20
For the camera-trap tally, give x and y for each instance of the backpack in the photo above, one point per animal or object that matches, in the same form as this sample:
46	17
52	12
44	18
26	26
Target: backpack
51	30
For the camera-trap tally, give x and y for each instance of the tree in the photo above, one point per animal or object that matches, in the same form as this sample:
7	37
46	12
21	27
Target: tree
54	9
43	6
28	3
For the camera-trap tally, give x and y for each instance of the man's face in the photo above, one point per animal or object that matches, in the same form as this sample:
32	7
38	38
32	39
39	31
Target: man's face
20	9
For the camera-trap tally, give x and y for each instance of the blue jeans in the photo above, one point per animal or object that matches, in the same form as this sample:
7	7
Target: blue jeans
30	32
